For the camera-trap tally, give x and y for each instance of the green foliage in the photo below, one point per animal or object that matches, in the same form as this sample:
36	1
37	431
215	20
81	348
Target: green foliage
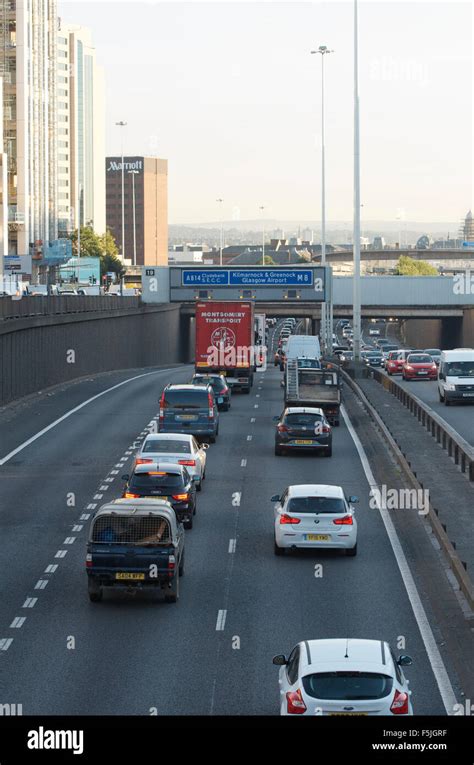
268	260
101	246
407	266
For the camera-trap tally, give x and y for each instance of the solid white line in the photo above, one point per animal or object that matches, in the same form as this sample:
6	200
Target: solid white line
70	413
221	617
434	656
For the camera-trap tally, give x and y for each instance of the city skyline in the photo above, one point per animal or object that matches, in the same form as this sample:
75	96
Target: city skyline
247	130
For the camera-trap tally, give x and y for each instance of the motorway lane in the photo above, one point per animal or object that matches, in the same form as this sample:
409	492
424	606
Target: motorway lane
458	416
134	654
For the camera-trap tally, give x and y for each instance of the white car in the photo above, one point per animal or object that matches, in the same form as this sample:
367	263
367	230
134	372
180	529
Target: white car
315	515
343	677
179	448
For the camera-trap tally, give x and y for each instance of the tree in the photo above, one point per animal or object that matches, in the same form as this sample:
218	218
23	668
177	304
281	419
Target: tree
407	266
268	261
101	246
90	243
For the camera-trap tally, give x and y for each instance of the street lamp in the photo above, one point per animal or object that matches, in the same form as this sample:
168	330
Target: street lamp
122	124
133	173
222	231
356	233
262	208
326	333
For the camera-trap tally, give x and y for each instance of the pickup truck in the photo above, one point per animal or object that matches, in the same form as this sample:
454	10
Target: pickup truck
318	388
135	544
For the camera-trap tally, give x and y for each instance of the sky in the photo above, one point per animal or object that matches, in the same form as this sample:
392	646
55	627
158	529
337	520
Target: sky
230	95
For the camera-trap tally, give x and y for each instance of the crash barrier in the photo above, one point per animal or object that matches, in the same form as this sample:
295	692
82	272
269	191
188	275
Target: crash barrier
50	305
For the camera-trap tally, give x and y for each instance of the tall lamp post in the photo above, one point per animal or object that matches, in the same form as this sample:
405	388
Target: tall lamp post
222	232
326	331
133	173
356	227
262	208
122	125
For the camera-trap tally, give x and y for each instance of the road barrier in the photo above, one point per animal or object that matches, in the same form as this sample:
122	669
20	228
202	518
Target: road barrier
49	305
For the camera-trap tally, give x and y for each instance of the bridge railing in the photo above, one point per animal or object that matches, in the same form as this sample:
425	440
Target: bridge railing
44	305
448	438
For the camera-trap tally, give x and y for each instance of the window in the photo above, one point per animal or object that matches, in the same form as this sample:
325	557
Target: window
162	446
62	53
460	368
62	78
63	67
62	182
186	399
63	157
317	505
293	664
155	484
63	118
347	686
63	131
62	40
397	667
63	144
63	196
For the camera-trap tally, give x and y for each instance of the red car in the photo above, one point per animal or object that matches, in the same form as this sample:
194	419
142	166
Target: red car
419	366
395	361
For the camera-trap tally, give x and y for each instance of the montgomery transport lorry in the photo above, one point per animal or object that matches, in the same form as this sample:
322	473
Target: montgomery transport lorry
225	341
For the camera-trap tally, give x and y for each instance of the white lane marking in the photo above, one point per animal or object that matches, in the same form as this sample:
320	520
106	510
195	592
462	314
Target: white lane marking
92	506
61	554
41	584
30	603
255	406
85	517
221	617
249	438
252	419
103	488
98	496
128	453
70	413
113	472
258	395
232	545
109	479
5	644
69	541
51	568
77	528
434	656
243	463
18	622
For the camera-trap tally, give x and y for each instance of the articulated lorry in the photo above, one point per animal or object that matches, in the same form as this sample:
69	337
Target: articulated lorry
225	341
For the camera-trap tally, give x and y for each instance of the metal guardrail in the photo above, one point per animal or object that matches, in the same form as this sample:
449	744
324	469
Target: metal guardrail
50	305
448	438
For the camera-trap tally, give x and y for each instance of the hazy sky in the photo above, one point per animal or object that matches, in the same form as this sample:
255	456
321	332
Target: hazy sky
229	93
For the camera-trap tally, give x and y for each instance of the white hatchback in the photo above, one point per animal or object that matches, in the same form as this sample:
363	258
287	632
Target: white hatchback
343	677
178	448
315	515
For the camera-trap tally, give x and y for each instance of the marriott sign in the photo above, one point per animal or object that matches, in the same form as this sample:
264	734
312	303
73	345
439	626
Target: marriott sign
116	165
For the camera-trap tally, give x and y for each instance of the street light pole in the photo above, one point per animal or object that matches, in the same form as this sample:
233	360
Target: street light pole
326	331
356	235
122	124
133	173
221	233
262	208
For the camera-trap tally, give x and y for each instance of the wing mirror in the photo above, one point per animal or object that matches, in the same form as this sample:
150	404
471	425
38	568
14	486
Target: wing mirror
125	477
204	446
353	500
275	498
280	660
404	661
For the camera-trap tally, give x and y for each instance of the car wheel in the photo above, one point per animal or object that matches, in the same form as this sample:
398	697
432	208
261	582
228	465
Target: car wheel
226	408
246	390
195	508
212	439
189	524
278	550
172	596
181	565
199	485
328	452
441	398
95	592
278	451
352	551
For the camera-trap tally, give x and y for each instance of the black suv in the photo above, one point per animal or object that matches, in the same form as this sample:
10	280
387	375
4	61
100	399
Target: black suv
164	480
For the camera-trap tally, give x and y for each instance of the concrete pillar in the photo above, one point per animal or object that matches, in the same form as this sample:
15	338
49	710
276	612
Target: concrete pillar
467	333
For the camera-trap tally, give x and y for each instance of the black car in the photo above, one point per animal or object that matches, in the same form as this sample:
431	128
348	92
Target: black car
373	358
219	386
164	480
303	428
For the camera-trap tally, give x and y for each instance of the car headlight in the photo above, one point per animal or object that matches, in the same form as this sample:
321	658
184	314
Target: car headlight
450	386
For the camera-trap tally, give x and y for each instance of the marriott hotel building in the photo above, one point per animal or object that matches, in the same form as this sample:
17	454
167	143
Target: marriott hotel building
146	182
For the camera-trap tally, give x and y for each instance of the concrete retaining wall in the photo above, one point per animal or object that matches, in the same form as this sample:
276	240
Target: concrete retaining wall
38	352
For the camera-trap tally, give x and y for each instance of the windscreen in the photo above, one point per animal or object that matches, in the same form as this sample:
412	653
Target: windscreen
460	368
433	351
317	505
347	686
305	420
216	382
421	358
166	446
155	484
186	399
309	363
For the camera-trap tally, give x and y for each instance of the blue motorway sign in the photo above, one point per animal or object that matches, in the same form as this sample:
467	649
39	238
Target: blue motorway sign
248	277
468	244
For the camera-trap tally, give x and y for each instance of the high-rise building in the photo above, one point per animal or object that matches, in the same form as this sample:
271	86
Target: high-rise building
81	132
27	66
467	228
145	181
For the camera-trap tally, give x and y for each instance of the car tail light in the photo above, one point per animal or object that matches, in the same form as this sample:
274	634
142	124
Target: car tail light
288	519
88	560
190	463
129	495
326	429
294	703
225	390
399	703
180	497
282	428
171	562
346	520
142	461
162	407
211	406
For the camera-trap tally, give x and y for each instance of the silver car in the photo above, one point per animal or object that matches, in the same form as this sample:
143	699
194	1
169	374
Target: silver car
179	448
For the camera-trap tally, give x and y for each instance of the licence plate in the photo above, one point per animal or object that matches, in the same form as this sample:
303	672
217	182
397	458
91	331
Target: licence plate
303	443
352	714
317	537
467	395
220	400
123	575
186	417
422	373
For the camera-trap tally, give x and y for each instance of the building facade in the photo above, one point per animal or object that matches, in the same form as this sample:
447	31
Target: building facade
81	132
145	182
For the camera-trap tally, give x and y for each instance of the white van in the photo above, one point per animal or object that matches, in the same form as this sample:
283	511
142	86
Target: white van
456	376
303	345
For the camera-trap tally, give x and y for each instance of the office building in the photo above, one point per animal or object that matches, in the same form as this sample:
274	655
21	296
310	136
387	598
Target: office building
81	132
145	180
